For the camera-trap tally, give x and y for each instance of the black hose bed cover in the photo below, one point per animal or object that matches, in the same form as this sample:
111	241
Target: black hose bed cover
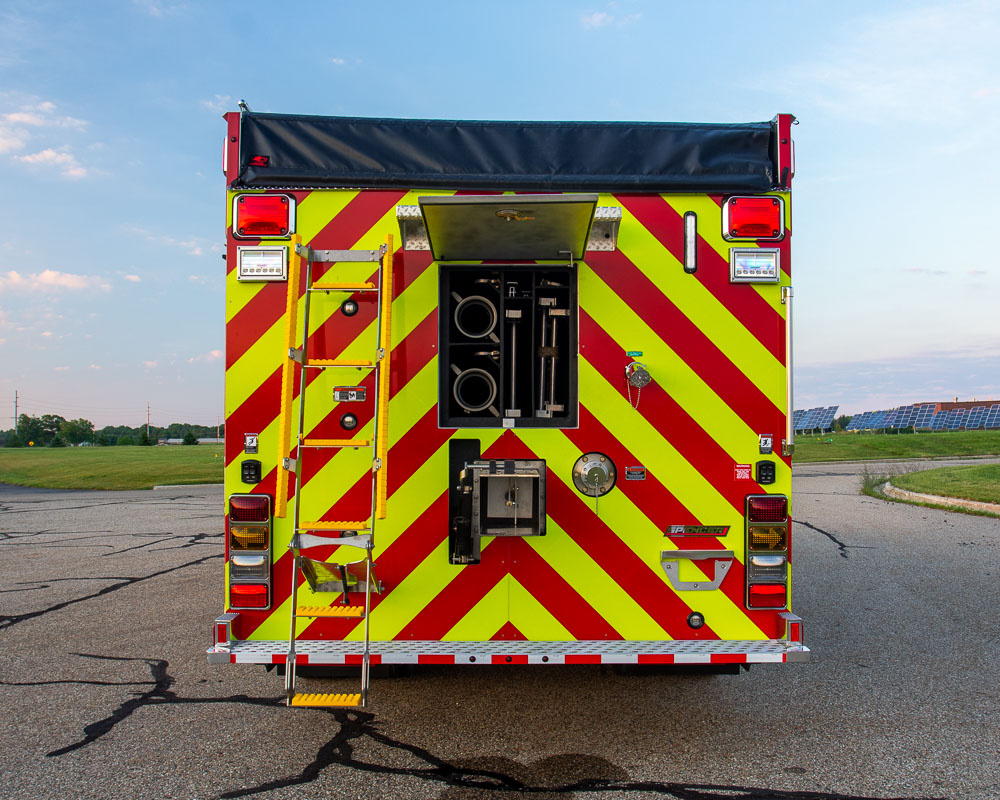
312	151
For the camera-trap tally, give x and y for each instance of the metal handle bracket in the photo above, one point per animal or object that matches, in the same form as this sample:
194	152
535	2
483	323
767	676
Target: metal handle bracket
670	561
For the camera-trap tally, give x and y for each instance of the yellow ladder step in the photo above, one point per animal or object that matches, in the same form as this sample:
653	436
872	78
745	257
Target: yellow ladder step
327	286
339	362
336	525
327	700
339	612
336	442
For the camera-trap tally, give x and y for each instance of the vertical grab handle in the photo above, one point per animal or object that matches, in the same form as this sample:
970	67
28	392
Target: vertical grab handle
788	443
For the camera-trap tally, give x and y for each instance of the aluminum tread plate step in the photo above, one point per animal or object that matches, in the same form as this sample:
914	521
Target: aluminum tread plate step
326	700
326	652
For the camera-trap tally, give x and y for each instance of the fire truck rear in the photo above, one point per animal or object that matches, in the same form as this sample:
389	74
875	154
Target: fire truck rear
506	393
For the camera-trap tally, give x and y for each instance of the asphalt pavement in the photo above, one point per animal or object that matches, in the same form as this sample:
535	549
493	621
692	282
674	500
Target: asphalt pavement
107	600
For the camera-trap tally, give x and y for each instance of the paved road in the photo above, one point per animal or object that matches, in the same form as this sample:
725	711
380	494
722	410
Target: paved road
106	601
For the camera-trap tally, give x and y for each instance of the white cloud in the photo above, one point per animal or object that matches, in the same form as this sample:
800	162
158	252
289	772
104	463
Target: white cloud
219	103
597	19
926	65
60	159
602	19
47	334
338	61
132	278
206	358
192	246
95	366
150	364
49	280
157	9
20	127
61	369
12	138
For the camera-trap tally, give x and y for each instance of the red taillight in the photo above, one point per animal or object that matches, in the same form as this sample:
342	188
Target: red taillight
773	508
753	218
250	508
248	595
262	215
766	595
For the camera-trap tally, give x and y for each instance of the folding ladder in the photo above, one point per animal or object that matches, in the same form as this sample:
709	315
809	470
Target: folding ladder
324	575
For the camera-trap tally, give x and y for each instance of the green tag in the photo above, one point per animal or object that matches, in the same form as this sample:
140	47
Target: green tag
634	353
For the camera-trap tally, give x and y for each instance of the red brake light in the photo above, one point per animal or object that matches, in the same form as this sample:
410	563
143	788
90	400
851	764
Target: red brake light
773	508
766	595
248	595
262	215
250	508
753	218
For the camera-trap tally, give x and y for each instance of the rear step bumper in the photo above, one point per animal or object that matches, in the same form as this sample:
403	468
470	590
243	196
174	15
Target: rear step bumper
337	653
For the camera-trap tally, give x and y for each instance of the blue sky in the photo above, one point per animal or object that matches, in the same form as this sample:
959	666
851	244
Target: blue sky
111	277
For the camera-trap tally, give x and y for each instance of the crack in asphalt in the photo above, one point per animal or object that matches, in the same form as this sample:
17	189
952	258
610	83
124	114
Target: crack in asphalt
45	506
193	539
358	726
159	693
840	545
14	619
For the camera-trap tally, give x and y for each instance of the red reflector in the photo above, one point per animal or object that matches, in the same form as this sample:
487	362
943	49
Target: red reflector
262	215
259	161
766	595
250	508
753	218
767	509
248	595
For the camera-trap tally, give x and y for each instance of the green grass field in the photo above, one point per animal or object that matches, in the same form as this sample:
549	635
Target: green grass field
145	467
976	482
110	467
870	447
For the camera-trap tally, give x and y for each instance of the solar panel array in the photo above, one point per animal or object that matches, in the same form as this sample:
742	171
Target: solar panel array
814	418
921	416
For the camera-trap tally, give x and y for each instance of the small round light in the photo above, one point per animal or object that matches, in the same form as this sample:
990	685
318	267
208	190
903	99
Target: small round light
348	422
349	308
696	620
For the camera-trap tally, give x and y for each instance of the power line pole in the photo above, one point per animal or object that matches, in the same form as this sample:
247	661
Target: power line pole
15	412
218	420
147	419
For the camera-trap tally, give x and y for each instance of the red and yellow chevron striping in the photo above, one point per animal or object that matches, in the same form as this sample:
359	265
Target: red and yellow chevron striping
716	351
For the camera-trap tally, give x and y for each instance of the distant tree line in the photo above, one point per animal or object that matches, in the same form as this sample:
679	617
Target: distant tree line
51	430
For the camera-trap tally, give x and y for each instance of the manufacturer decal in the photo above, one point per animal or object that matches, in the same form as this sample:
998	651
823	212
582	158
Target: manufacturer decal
349	394
635	473
744	472
250	443
634	353
697	530
766	444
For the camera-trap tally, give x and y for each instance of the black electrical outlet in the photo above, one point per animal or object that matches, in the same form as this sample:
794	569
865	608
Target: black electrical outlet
765	472
250	470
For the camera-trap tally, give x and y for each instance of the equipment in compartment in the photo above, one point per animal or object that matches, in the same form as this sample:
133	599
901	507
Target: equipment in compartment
490	497
508	343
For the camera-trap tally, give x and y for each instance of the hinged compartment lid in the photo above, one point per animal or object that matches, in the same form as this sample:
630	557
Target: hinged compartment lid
508	227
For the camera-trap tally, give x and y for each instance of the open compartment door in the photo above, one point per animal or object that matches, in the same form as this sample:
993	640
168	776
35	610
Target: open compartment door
508	227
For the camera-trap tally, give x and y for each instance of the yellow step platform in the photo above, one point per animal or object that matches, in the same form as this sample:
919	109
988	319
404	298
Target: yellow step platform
327	700
334	526
338	612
